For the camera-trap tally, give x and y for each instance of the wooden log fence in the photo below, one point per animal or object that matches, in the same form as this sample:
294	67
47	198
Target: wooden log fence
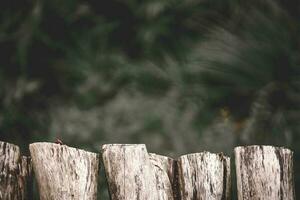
15	173
264	172
63	172
204	176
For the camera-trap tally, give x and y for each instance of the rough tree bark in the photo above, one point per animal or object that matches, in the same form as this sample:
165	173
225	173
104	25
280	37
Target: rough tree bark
15	173
133	174
204	176
64	172
264	172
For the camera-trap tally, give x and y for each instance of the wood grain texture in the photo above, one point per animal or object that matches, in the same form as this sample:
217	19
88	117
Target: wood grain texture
130	173
204	176
164	174
15	173
264	172
64	172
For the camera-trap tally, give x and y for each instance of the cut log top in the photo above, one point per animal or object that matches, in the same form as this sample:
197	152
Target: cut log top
204	176
54	148
64	172
132	173
129	172
263	148
264	172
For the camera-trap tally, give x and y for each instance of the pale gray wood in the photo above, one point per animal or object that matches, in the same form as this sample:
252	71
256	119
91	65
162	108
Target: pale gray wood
264	172
130	173
164	174
204	176
15	173
64	172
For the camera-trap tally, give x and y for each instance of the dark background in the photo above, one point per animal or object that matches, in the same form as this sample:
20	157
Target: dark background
180	76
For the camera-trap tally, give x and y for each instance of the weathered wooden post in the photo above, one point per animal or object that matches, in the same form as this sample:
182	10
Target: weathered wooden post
204	176
264	172
164	169
15	173
64	172
133	174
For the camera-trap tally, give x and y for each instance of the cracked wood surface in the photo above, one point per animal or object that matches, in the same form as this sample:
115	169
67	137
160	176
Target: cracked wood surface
63	172
66	173
15	173
264	172
204	176
164	173
133	174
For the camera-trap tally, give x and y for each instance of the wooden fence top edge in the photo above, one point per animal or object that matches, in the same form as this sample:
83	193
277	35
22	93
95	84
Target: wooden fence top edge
162	156
120	144
54	145
10	144
105	146
237	148
221	154
263	146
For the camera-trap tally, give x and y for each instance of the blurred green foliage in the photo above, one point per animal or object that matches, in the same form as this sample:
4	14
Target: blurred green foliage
169	73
